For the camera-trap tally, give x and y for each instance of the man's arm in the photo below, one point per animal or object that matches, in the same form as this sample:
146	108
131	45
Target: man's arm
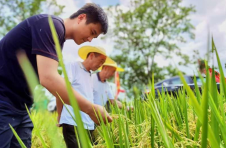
51	80
59	107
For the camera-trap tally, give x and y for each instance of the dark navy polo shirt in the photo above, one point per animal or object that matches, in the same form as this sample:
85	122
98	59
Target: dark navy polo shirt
34	36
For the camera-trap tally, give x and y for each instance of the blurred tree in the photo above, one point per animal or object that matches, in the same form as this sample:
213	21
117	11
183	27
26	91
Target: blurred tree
149	29
14	11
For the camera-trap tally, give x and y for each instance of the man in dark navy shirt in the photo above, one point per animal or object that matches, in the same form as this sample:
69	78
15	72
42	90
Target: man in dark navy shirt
33	35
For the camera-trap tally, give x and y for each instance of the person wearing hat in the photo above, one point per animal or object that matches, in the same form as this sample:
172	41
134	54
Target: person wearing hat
101	89
79	74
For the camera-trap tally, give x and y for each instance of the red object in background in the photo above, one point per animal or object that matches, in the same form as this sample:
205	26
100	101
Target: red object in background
217	75
117	83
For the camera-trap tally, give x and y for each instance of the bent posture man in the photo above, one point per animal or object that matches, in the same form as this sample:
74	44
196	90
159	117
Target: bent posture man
79	74
33	35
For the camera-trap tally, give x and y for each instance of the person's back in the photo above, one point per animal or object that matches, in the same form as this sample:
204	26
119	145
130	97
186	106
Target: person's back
33	36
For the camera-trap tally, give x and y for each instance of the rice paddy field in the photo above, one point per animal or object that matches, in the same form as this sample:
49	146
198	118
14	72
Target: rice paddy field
189	119
164	122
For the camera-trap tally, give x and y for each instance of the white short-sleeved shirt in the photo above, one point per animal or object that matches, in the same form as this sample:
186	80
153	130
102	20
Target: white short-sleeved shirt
81	81
101	91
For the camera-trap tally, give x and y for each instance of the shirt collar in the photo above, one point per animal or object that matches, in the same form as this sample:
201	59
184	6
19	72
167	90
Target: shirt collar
98	76
82	67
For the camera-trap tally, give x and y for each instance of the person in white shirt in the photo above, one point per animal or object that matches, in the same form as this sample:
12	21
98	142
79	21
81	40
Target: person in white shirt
79	74
101	89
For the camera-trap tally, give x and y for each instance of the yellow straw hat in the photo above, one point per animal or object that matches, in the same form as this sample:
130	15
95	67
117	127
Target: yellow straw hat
83	52
113	65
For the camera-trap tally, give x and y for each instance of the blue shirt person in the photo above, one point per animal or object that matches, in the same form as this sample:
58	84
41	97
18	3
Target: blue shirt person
101	89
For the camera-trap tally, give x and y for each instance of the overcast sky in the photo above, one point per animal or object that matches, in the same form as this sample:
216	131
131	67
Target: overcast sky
209	14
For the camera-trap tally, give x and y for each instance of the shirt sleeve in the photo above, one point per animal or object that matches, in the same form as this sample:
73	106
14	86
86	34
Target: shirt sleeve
42	40
110	93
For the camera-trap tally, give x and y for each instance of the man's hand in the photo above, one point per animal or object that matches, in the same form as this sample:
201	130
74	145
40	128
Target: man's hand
116	102
119	104
98	112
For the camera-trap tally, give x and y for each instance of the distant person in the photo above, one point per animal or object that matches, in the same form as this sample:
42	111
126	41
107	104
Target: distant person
202	69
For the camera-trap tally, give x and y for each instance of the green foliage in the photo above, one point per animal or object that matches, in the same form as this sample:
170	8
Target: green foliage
45	133
150	28
15	11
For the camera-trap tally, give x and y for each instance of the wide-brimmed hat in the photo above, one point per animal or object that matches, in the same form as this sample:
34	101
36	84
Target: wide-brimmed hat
85	50
113	65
